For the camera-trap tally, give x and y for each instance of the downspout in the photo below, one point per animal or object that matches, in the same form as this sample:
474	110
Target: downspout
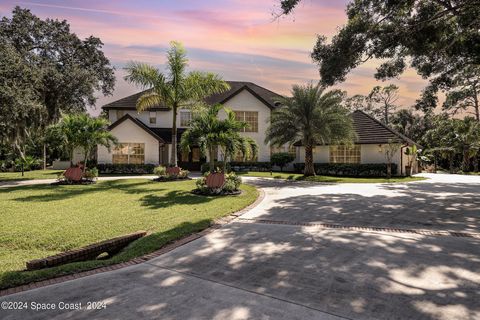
401	158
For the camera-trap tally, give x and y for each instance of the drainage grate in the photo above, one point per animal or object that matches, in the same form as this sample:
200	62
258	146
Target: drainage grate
363	228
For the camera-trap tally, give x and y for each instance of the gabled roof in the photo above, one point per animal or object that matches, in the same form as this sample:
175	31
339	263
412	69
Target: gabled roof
138	123
371	131
269	98
130	102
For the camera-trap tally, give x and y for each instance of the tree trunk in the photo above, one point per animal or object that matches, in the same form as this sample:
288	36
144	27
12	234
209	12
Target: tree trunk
466	160
309	168
212	159
475	163
386	114
173	155
44	156
451	158
389	170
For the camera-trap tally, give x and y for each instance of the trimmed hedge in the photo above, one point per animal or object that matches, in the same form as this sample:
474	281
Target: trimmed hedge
126	168
251	166
349	169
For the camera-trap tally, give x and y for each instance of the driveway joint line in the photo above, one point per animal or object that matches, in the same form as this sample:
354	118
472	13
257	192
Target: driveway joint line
245	290
424	232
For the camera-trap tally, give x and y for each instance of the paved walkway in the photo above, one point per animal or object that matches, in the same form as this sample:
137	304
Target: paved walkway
9	184
307	251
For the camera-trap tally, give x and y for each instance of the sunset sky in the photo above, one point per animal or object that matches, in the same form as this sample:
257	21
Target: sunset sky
238	39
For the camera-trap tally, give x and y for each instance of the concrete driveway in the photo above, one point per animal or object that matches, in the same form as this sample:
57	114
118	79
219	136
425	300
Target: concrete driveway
306	252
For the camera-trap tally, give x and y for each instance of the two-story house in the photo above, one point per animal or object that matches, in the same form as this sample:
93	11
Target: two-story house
145	137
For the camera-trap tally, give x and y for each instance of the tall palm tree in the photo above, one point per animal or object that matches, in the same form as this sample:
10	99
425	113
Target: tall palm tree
467	139
175	89
210	133
311	116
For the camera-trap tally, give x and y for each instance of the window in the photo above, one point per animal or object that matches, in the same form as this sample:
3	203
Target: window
153	117
185	118
291	149
120	113
345	154
129	153
250	117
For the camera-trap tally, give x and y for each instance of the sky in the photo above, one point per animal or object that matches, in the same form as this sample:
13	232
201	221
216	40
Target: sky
237	39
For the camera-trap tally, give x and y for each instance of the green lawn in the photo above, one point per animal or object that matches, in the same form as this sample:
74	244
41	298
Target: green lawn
29	175
42	220
299	177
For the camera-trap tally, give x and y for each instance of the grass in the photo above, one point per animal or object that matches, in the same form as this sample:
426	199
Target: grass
41	220
330	179
29	175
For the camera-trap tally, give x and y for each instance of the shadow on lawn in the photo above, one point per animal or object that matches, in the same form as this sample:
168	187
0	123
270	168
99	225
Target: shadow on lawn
140	247
54	193
153	201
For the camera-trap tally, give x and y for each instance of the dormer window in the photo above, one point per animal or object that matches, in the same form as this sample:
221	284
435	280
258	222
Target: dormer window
153	117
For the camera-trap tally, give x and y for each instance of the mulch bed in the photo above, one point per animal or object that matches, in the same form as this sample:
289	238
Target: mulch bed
214	193
167	179
70	183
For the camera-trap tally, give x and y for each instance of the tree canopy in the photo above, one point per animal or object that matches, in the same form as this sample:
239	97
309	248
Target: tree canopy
439	38
46	70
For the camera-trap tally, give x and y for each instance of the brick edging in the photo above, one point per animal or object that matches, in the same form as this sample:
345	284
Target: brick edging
166	248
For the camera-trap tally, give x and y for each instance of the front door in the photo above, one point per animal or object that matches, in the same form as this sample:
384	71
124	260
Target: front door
192	160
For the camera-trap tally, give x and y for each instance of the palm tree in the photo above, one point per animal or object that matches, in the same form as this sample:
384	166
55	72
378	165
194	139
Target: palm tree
467	138
81	130
210	133
94	132
175	89
313	117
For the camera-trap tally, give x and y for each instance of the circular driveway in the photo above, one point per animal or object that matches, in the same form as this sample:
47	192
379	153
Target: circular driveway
307	251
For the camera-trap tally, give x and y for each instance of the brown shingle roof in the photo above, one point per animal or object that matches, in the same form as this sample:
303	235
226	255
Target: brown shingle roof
371	131
266	96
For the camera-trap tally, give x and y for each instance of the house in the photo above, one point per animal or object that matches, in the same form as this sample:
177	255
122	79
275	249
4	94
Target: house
145	137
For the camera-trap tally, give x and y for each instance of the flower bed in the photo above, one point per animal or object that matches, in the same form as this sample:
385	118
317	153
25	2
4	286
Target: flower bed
218	184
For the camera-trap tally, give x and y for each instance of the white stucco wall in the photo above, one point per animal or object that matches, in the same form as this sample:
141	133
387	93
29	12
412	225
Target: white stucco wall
369	153
128	131
164	118
245	101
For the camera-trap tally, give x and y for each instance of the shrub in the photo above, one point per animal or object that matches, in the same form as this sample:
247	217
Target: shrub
281	159
233	180
126	168
218	167
91	174
160	171
349	169
183	174
251	166
231	185
30	163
